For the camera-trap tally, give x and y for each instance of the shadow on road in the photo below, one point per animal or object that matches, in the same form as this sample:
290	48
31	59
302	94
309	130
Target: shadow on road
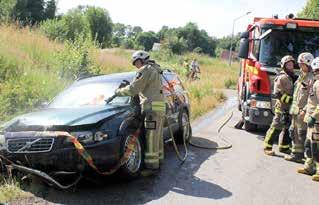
173	177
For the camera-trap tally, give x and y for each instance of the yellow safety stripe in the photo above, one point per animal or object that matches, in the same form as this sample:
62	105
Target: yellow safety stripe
277	110
268	136
285	98
252	70
158	106
284	146
298	148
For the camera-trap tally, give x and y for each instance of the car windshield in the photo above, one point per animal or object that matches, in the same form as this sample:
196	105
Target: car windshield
281	43
91	94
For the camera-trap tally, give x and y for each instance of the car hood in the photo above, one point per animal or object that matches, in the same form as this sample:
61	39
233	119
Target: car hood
67	116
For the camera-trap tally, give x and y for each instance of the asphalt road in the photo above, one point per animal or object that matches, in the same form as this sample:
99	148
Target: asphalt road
241	175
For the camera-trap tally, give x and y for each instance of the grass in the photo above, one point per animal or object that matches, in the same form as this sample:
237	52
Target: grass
34	69
10	190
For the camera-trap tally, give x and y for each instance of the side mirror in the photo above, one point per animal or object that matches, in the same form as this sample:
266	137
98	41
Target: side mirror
244	34
243	48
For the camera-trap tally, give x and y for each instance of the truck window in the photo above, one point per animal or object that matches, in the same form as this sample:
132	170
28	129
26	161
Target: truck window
256	47
288	42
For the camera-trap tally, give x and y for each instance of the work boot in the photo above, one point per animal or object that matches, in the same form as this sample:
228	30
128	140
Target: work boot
309	168
285	150
269	152
294	157
306	171
315	177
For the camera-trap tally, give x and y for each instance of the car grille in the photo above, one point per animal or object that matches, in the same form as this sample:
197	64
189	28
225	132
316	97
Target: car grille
30	145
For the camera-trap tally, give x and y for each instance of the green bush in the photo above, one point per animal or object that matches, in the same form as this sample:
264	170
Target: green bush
74	60
25	92
69	27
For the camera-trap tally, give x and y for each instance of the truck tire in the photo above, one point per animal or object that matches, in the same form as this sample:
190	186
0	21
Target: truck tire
250	127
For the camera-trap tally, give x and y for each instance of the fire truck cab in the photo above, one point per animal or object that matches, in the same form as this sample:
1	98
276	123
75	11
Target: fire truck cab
262	46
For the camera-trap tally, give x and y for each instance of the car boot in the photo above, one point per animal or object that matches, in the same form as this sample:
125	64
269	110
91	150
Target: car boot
269	152
294	157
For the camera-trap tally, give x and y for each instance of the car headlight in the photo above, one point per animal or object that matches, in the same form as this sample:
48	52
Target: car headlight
84	137
89	137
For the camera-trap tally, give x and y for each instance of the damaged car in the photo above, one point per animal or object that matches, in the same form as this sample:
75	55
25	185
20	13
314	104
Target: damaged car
81	131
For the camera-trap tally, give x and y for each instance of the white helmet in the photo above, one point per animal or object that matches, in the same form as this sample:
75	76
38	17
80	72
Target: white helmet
285	60
315	64
140	55
305	58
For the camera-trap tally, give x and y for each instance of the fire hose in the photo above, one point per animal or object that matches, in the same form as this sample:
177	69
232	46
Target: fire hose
228	145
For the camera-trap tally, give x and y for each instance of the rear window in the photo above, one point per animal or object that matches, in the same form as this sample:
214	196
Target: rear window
172	83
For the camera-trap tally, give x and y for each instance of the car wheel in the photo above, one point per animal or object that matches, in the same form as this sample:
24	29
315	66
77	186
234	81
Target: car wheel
132	168
250	127
185	129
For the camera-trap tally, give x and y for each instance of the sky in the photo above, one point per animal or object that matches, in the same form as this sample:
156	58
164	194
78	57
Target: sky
215	16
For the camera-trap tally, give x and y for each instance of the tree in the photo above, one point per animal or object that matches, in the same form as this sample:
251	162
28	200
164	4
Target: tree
6	9
100	25
50	9
311	10
76	24
119	30
28	11
146	39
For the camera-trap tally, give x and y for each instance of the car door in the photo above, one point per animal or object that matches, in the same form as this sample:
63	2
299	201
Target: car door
173	92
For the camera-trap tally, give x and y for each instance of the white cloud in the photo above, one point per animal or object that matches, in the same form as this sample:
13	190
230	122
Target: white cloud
212	15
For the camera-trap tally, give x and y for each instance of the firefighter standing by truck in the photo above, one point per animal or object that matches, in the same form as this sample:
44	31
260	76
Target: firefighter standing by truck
298	128
311	166
283	90
147	84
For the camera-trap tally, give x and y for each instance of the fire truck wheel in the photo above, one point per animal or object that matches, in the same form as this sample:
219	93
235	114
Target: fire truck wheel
249	126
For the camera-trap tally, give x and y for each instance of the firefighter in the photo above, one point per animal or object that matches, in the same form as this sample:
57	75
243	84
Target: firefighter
148	85
283	90
298	128
311	166
194	69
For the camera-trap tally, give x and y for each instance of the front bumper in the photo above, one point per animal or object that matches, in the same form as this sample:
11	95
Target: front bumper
63	157
259	116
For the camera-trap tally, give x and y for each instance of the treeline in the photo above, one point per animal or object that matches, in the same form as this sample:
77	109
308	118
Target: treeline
96	24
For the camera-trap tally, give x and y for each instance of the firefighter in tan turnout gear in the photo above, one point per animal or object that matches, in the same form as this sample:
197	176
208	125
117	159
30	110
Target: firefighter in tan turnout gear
148	85
283	90
311	166
298	128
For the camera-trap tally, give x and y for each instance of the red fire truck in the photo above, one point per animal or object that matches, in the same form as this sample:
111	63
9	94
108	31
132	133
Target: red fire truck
262	46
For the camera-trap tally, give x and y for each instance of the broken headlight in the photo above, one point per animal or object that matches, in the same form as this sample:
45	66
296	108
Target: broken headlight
84	137
89	137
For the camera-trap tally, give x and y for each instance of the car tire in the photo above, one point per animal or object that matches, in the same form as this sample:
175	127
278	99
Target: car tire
185	129
250	127
132	168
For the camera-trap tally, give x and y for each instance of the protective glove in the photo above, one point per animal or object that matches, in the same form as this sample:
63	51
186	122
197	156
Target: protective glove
311	122
118	91
124	83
